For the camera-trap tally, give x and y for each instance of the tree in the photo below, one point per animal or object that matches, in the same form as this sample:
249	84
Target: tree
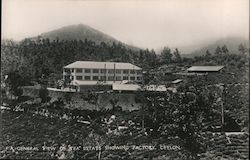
242	48
153	58
44	94
141	56
224	49
67	77
150	59
208	54
177	55
218	50
15	81
180	114
166	55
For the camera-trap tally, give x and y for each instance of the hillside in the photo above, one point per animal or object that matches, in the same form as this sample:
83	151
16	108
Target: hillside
81	32
231	43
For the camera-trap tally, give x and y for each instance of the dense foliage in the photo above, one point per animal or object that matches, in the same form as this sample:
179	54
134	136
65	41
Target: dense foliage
165	123
180	114
32	59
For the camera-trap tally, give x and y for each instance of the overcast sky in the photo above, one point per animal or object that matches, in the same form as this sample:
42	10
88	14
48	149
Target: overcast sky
143	23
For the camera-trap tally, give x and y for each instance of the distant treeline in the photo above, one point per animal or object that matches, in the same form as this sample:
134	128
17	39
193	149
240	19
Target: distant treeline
33	58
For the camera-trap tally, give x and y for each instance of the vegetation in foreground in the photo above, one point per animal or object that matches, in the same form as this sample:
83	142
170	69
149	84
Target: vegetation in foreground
166	119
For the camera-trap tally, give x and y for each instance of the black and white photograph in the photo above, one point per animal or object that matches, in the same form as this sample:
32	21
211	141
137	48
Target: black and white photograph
125	79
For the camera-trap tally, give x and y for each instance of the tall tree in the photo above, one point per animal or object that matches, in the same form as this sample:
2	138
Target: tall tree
208	54
242	48
166	55
224	49
153	57
177	55
14	81
218	50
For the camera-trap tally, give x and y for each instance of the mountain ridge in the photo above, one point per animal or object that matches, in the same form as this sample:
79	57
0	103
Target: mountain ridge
82	32
232	44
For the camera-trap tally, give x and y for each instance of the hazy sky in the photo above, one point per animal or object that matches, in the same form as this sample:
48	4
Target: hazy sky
143	23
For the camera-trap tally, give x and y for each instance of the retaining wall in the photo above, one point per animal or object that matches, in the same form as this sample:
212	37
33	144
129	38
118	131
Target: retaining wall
87	101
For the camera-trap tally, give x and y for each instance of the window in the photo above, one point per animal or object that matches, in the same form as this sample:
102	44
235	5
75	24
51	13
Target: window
102	70
78	77
78	70
87	70
110	78
87	77
72	77
72	70
125	77
125	71
138	78
103	78
132	78
139	72
118	78
111	71
95	77
95	70
132	72
66	70
118	71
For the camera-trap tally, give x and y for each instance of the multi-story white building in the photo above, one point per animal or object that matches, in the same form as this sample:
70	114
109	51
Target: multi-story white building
91	72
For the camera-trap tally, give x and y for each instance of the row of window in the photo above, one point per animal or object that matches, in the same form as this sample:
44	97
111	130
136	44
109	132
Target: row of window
109	78
118	71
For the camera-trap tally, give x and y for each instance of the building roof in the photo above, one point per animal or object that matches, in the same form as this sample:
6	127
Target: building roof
97	65
126	87
156	88
205	68
136	87
62	90
177	81
189	74
79	82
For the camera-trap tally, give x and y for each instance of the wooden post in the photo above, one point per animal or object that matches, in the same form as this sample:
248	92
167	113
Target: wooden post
143	123
143	107
105	72
222	106
114	72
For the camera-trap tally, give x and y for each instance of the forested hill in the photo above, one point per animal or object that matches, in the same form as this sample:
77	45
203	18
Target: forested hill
81	32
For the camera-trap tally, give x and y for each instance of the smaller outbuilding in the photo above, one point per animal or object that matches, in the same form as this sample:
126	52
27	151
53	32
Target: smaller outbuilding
177	81
205	69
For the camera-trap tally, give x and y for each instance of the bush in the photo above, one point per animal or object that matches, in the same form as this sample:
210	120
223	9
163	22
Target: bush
44	95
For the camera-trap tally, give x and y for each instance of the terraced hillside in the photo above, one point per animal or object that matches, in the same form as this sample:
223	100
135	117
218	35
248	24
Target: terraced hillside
24	129
226	146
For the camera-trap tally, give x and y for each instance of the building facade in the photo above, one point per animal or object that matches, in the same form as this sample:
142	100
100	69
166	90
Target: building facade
110	72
